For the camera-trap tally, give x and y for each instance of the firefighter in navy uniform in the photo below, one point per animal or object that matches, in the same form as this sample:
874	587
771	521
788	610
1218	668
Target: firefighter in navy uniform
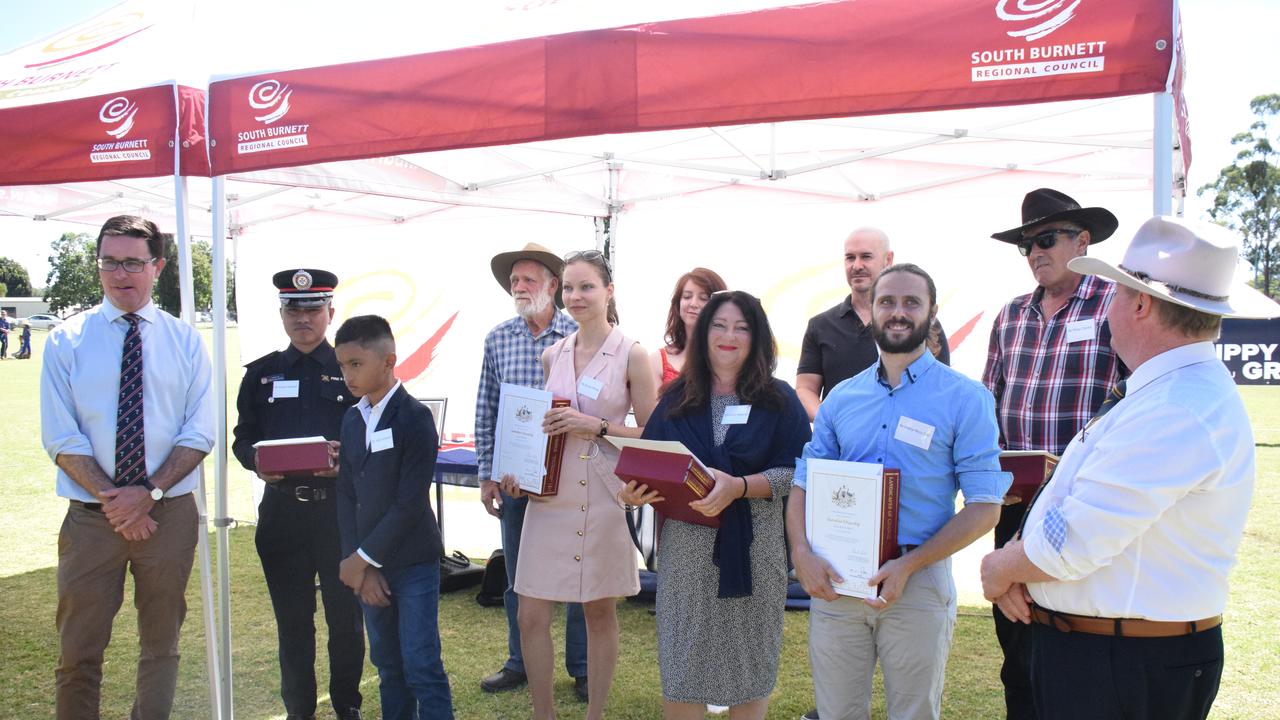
299	392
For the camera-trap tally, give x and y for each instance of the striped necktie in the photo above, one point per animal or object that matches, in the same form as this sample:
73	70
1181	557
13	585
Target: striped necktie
1114	396
131	452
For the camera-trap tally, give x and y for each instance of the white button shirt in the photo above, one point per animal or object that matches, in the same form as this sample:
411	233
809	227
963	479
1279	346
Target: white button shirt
373	413
1146	509
80	385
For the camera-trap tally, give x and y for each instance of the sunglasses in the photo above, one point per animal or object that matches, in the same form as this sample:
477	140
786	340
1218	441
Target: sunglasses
1045	240
592	256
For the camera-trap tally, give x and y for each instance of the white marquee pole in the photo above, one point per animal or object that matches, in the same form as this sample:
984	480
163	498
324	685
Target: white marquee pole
220	520
1162	156
181	211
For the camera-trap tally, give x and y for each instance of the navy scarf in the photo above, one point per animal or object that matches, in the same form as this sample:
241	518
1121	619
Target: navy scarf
770	438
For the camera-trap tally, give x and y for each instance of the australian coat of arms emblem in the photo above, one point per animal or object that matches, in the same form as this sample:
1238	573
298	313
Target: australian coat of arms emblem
842	498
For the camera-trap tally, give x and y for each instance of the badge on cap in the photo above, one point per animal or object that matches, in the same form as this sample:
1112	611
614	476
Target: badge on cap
302	280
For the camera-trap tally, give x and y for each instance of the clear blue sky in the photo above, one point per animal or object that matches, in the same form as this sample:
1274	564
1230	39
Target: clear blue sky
38	19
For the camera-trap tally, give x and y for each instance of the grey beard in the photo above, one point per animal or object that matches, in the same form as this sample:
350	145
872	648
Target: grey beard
537	305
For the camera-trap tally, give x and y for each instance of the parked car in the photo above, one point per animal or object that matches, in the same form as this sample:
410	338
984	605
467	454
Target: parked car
41	322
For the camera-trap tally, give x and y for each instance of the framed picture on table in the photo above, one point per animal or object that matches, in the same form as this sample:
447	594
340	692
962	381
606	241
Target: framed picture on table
437	406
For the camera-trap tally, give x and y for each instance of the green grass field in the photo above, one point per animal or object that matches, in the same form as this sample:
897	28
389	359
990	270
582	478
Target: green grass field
474	638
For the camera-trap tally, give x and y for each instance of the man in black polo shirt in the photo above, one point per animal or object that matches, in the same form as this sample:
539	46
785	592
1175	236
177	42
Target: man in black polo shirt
299	392
838	343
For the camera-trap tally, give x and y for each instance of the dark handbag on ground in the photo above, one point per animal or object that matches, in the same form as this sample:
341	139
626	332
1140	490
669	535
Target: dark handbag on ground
457	572
494	584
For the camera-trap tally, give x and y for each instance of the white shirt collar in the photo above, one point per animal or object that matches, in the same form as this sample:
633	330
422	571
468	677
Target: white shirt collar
1168	361
113	313
366	407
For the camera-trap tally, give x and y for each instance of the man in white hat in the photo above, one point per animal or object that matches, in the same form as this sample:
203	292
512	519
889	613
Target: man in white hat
1121	566
513	354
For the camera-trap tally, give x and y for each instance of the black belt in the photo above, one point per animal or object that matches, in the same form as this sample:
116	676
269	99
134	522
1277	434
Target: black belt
304	493
904	549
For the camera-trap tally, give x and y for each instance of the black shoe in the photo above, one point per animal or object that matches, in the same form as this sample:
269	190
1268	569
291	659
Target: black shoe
811	715
580	687
349	714
504	679
295	716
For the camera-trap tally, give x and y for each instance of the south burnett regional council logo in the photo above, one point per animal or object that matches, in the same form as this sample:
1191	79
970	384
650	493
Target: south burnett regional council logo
118	115
270	101
1033	20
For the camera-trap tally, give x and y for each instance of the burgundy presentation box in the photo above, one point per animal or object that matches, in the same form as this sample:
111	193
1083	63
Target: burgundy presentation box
1030	469
294	456
678	477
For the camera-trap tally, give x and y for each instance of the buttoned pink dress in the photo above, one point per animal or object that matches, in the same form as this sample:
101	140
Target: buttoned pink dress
575	545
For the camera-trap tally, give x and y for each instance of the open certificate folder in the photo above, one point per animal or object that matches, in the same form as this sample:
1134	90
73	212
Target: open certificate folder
520	447
845	520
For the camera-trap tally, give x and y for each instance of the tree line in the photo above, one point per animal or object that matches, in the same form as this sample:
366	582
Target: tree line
73	283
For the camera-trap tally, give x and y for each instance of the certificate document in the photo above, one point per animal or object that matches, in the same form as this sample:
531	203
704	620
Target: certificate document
844	504
520	447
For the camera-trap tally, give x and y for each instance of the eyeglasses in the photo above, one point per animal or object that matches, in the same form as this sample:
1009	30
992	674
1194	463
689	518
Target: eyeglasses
592	256
1045	240
132	265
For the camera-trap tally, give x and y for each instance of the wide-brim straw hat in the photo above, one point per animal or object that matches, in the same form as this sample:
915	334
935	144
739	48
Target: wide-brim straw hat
502	263
1183	262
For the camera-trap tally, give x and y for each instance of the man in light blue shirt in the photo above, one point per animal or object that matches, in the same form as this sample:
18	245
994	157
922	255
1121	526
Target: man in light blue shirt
126	411
938	427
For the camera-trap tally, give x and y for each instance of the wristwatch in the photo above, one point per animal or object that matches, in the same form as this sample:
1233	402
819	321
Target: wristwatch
156	493
604	427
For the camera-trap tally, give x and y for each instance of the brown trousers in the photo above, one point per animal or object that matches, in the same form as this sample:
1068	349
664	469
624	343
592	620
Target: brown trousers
92	558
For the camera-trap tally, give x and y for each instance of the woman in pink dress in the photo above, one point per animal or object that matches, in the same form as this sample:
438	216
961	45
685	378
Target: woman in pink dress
692	291
575	546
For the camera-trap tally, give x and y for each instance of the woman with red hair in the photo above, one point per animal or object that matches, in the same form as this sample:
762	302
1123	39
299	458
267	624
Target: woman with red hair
691	293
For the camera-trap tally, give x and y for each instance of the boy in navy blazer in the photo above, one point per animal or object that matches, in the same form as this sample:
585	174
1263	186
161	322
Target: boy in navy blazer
390	539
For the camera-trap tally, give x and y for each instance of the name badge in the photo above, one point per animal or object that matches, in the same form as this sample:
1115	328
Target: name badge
914	432
590	387
381	440
284	389
1080	330
736	415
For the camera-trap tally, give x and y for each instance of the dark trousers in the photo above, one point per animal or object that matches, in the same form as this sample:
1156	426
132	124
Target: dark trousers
1102	677
1014	637
298	541
92	561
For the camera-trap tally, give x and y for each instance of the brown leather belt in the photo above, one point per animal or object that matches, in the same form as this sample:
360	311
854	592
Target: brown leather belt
1121	627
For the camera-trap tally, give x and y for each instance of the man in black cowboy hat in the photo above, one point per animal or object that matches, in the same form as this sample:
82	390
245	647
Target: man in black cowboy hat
1049	365
292	393
1121	569
513	354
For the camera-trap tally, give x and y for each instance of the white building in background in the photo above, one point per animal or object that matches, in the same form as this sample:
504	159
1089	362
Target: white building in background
20	307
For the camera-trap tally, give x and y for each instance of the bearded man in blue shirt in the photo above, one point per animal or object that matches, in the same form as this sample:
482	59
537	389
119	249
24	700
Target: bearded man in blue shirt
949	445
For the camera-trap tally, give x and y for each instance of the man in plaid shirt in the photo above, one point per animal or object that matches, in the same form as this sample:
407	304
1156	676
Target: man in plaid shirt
513	354
1049	365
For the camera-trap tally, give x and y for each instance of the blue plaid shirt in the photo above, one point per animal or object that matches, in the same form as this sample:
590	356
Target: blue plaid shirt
511	355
